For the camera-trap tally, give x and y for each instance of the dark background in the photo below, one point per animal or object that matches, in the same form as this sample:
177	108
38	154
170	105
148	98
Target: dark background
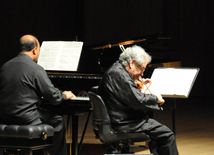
183	29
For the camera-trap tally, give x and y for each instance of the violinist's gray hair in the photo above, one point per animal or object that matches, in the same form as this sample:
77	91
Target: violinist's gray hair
136	53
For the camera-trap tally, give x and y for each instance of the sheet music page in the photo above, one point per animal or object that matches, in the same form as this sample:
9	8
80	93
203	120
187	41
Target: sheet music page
60	55
173	82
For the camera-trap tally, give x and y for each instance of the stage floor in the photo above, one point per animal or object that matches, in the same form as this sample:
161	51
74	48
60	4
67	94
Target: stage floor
194	128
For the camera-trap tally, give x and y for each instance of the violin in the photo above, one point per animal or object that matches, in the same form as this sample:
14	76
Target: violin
139	84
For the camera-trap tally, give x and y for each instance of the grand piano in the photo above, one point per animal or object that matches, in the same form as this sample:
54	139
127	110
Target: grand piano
93	63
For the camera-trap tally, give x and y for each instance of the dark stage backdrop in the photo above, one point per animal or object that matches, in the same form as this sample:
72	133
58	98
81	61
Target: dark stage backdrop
110	21
95	22
188	23
48	20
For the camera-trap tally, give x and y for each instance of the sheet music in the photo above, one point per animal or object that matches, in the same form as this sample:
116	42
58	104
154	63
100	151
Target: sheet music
60	55
173	82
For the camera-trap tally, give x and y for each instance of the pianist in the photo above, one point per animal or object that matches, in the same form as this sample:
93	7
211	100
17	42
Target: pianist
127	105
23	83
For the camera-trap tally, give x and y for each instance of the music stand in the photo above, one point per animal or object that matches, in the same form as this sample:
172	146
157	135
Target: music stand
173	83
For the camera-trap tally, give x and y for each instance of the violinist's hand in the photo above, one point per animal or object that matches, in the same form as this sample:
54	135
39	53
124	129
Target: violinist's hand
68	94
160	99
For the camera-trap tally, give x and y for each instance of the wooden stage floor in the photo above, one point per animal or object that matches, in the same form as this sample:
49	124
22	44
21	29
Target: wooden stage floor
194	128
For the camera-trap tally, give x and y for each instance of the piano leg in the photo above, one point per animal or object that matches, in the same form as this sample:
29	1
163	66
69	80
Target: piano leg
75	134
84	130
75	147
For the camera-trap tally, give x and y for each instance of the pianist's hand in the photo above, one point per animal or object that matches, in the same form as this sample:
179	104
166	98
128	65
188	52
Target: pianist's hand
68	94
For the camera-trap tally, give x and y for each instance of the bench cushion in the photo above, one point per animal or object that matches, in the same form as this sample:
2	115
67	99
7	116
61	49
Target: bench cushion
26	131
25	136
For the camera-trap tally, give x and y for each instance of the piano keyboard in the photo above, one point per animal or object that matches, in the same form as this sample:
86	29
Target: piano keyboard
79	98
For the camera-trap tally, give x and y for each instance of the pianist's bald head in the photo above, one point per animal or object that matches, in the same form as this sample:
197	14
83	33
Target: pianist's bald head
28	42
30	46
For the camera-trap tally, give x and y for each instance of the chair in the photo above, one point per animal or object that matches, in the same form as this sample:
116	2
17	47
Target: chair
102	128
25	138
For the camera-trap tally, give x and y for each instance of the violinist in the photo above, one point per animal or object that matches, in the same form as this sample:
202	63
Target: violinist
127	103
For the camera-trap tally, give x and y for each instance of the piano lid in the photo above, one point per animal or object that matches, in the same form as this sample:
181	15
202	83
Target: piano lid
156	45
129	42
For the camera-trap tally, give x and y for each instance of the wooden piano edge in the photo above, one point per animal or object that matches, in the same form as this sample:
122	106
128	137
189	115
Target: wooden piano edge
166	64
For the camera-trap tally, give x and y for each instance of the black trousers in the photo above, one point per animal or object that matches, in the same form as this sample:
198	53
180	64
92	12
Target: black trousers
59	141
162	138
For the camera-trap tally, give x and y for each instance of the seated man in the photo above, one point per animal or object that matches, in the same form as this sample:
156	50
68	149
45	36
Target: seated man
23	85
127	104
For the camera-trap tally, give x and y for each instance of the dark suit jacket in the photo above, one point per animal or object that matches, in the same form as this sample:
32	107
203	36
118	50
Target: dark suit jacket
125	103
23	84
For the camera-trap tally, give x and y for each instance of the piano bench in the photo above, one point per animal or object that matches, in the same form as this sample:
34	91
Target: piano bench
25	138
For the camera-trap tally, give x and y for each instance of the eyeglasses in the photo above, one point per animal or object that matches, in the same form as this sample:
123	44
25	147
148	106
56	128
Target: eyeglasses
142	68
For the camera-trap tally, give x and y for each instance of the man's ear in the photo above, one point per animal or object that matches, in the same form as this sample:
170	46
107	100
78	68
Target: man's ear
34	51
131	64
